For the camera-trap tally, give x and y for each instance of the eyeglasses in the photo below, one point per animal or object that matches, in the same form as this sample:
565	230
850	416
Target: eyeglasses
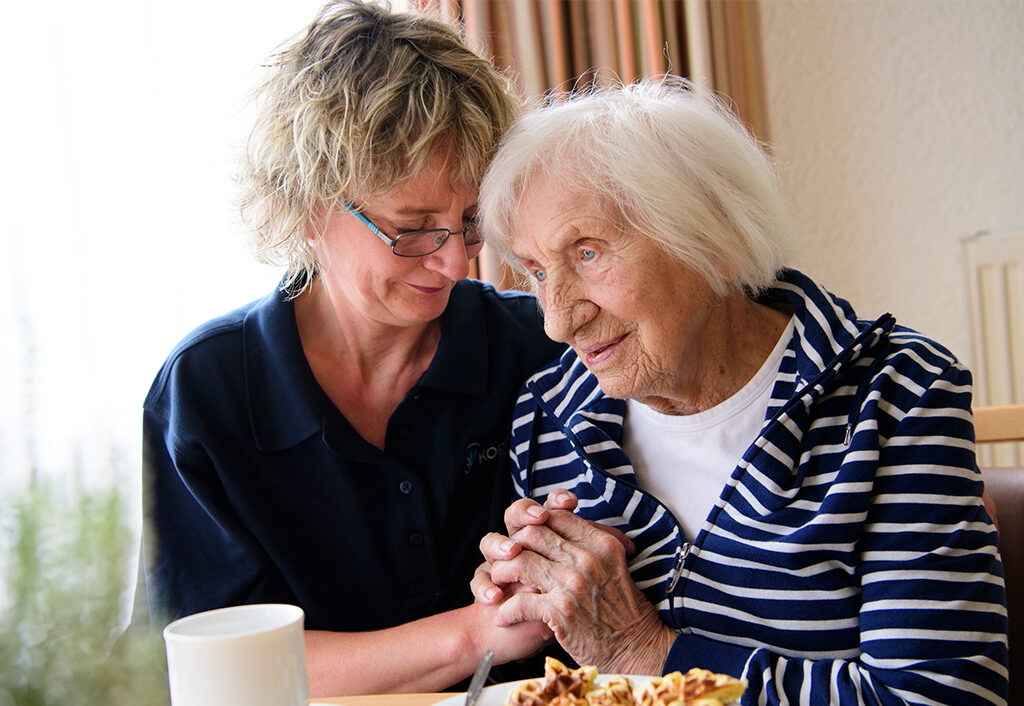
418	243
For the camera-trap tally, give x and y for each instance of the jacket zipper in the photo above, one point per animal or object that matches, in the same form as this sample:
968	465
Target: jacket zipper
677	570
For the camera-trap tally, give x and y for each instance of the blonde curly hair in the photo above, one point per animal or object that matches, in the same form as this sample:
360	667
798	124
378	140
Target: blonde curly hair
354	105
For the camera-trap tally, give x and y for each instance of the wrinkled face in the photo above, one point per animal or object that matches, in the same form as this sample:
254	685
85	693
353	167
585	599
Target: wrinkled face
359	269
633	314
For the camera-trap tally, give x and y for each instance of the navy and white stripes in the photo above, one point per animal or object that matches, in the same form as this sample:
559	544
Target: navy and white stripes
849	559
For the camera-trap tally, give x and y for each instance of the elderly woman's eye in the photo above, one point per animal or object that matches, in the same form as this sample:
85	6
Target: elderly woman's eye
540	275
587	254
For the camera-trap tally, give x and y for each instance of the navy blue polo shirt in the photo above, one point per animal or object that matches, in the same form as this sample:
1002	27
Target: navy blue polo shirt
259	490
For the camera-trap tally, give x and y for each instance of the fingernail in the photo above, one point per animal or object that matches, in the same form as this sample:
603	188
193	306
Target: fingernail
492	594
562	497
535	511
507	546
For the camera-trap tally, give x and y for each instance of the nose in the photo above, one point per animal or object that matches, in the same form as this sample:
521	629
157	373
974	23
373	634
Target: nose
450	260
557	323
565	311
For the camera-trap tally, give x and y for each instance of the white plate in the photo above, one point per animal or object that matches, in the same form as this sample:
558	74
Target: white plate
496	695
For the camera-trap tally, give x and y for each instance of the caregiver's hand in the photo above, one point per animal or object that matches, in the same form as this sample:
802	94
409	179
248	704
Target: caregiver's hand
575	579
520	514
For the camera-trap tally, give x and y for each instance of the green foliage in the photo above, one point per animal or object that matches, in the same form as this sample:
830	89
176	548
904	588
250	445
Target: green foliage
64	557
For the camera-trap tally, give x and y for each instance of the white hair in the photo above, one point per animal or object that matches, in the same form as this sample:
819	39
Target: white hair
667	162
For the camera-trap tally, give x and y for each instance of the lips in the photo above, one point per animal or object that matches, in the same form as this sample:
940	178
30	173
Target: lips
595	355
428	290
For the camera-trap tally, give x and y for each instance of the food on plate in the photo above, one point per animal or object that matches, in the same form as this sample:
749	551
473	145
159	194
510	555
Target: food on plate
530	693
562	686
617	691
696	687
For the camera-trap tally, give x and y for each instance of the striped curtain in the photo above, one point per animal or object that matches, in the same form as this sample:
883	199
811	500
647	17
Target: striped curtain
553	45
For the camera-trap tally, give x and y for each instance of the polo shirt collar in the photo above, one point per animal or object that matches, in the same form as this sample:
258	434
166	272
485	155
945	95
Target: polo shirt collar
283	407
281	387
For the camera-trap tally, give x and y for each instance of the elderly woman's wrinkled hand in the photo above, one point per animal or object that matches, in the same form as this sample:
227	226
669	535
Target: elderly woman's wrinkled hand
495	546
572	575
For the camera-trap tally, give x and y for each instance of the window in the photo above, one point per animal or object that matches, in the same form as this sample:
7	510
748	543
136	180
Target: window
118	230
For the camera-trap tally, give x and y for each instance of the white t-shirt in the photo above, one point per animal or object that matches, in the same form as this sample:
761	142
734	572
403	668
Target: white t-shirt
685	460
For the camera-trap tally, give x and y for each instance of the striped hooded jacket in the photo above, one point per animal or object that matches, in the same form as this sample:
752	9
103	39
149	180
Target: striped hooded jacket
849	559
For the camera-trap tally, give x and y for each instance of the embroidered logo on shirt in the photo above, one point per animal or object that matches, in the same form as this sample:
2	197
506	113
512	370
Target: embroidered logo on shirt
478	455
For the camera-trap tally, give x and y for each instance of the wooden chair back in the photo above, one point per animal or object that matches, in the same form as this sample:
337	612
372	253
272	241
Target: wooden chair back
999	423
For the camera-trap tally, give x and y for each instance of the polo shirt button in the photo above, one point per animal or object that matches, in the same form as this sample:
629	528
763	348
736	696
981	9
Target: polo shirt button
405	486
415	539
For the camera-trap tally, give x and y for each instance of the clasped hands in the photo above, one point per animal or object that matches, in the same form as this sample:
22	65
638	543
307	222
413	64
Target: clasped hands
571	574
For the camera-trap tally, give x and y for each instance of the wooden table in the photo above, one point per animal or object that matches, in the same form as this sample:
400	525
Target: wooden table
385	700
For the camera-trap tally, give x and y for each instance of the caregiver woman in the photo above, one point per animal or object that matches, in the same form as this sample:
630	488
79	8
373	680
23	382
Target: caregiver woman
799	483
340	443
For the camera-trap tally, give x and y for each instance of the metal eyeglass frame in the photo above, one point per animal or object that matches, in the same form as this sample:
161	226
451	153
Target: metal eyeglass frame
392	243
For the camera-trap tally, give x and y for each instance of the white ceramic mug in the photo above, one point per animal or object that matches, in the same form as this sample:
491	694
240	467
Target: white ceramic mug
251	654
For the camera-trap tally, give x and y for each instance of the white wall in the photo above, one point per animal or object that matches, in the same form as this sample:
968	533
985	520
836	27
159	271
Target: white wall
900	128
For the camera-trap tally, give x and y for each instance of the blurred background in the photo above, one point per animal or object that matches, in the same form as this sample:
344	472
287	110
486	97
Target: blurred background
120	129
896	123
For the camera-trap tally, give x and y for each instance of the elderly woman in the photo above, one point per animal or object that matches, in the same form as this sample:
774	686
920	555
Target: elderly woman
799	483
340	444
